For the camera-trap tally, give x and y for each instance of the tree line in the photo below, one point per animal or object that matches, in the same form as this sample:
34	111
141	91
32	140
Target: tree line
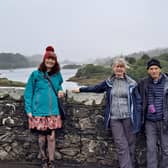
11	61
91	74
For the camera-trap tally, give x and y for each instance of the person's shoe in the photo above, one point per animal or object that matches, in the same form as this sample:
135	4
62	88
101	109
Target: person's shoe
44	163
52	164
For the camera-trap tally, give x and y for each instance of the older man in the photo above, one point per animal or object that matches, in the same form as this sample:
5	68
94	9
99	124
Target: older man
154	94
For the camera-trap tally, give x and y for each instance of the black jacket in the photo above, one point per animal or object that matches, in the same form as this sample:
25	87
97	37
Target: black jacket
143	90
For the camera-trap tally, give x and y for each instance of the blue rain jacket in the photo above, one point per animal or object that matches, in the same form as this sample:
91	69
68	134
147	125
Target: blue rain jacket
39	97
134	101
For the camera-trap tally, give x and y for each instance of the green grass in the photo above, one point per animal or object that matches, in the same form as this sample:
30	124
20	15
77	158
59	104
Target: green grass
5	82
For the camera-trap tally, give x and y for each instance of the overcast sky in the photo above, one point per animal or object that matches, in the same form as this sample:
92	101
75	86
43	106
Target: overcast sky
83	29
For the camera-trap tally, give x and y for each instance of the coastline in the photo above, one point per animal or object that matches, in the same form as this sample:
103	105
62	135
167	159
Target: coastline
19	77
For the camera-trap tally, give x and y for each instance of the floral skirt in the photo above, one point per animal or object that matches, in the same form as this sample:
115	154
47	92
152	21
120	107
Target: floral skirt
44	123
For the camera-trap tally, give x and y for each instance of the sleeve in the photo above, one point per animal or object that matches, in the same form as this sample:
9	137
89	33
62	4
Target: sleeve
99	88
28	93
137	113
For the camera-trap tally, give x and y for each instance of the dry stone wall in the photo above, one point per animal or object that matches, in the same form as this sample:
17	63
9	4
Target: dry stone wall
82	138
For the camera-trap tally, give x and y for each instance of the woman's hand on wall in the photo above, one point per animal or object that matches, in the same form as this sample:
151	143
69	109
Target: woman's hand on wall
60	93
76	90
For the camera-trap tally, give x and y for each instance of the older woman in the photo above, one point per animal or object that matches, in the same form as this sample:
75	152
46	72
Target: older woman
121	114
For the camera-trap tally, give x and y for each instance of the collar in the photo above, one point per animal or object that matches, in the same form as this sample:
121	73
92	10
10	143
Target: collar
158	80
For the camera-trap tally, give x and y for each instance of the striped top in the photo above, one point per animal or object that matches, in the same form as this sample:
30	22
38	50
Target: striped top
119	102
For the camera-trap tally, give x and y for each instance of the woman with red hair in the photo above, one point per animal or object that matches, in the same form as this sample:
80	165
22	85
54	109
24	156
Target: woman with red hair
41	105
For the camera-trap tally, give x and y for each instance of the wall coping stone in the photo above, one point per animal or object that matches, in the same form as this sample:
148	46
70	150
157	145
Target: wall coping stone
85	98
